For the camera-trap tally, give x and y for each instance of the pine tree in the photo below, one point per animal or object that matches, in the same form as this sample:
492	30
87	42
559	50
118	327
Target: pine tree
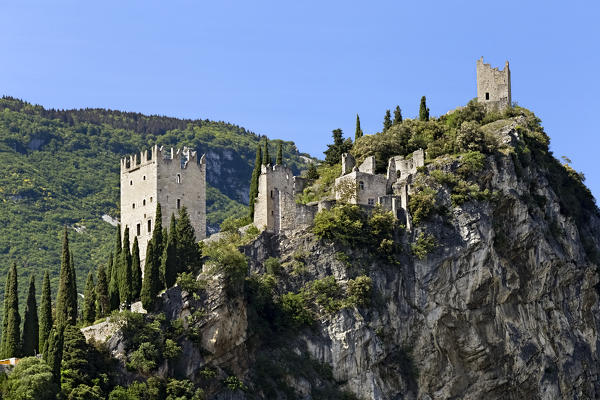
151	284
423	110
168	266
340	146
312	173
73	290
157	233
254	180
358	132
279	160
11	337
397	116
102	299
53	351
188	252
45	313
66	311
89	300
31	333
136	271
266	157
387	120
125	271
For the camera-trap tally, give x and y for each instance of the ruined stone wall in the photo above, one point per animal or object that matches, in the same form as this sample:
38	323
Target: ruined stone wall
275	206
368	186
493	85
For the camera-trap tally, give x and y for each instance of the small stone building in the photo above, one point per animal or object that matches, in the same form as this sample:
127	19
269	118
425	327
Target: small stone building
493	86
175	178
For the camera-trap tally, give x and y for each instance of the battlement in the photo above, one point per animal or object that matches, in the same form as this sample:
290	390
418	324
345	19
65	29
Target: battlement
159	155
493	85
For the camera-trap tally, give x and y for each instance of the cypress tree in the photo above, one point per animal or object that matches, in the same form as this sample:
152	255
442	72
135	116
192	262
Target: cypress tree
31	333
53	351
266	157
136	271
125	271
66	311
89	300
188	251
358	132
102	299
397	116
157	233
254	180
11	337
151	283
423	110
109	269
45	312
279	160
169	258
113	286
387	120
73	290
340	146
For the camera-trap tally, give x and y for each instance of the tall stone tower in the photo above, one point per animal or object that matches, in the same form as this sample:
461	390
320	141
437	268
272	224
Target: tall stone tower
172	178
493	86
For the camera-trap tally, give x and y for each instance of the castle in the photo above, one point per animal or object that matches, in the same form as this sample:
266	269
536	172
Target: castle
493	86
173	178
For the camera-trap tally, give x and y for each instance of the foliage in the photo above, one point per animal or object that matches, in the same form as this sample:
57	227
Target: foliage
66	303
168	266
151	284
254	180
358	132
145	358
187	282
423	110
359	290
188	252
234	383
30	380
53	351
224	257
334	151
233	224
341	224
136	270
322	186
397	116
387	120
30	338
295	307
125	287
421	204
89	300
272	266
424	244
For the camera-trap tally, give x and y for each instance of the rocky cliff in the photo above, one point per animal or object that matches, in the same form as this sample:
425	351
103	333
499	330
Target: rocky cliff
503	302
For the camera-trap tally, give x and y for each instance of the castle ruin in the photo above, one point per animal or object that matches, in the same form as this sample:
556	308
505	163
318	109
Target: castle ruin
493	86
173	178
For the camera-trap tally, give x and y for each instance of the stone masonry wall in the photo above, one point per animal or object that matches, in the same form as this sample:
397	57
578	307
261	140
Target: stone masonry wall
493	85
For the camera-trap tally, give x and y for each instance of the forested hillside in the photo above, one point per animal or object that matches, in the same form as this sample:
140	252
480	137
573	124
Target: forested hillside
61	167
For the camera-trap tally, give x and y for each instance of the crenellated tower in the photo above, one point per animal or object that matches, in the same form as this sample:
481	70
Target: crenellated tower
175	178
493	85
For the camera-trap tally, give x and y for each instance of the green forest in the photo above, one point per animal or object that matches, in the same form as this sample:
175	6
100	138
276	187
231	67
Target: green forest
61	168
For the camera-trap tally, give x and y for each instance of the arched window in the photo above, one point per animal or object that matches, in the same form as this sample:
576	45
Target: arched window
361	185
178	178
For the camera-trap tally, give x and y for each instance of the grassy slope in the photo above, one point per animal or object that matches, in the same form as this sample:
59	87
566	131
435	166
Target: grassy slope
62	168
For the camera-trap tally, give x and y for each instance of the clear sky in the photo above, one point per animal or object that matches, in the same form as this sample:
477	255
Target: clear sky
297	70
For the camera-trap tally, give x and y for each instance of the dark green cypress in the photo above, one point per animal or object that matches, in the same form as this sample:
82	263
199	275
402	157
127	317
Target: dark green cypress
102	299
387	120
11	337
73	290
279	160
254	180
423	110
66	311
358	133
397	116
125	271
136	270
53	351
151	283
45	313
169	258
108	270
113	284
266	157
31	333
89	300
157	233
188	251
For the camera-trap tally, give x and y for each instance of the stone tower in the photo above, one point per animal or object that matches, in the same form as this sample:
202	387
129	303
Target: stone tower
493	86
173	178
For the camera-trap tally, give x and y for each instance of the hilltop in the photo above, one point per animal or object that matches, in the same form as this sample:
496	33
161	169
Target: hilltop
61	167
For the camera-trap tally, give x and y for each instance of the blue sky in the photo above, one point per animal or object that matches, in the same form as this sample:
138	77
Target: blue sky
297	70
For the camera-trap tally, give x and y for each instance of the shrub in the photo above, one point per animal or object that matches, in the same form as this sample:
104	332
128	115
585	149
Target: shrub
327	293
470	137
232	224
381	225
234	383
421	204
342	223
471	163
272	266
187	282
171	349
423	245
295	307
224	257
359	290
144	359
31	379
